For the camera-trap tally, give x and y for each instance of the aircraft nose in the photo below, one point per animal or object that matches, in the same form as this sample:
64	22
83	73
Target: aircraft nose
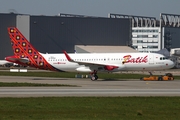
171	64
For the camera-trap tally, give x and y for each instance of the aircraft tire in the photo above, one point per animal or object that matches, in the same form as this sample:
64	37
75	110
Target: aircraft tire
94	77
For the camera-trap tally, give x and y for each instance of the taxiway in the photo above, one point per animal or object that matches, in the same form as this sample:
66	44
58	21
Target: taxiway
86	87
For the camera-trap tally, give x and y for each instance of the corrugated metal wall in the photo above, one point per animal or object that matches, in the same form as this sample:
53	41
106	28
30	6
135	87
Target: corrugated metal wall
22	23
6	20
54	34
174	36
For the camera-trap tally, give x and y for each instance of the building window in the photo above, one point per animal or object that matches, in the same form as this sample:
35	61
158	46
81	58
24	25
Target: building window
142	36
139	41
155	47
155	36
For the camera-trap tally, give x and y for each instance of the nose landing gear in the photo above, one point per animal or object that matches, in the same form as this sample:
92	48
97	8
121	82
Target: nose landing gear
94	75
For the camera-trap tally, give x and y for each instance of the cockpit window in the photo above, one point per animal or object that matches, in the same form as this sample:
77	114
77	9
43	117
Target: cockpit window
163	58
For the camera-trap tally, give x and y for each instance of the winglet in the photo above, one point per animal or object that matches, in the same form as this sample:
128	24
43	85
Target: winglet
68	57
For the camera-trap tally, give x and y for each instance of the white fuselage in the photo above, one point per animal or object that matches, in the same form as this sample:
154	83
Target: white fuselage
97	61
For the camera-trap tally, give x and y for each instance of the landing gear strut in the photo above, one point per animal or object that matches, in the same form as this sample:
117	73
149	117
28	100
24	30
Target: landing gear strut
94	75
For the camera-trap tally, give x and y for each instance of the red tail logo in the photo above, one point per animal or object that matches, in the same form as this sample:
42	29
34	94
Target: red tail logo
23	50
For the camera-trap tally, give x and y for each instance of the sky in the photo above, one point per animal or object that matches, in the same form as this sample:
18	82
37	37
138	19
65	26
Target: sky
101	8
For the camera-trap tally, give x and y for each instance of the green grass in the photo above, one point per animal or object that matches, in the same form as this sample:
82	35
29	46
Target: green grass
90	108
72	75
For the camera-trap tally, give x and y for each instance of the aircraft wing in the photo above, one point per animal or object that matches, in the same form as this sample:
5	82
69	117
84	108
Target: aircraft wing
92	65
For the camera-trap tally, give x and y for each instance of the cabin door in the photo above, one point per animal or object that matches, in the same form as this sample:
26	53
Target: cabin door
151	59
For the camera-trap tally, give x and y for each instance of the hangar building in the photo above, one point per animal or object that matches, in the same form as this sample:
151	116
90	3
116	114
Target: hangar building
52	34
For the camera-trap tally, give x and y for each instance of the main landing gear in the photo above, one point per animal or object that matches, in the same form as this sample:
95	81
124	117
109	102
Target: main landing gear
94	75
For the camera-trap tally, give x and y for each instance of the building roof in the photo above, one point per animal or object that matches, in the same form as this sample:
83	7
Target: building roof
103	49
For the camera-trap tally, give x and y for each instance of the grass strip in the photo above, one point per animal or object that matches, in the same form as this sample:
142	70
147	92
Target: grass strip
85	108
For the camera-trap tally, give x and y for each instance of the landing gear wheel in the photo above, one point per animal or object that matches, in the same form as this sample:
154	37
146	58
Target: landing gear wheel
94	77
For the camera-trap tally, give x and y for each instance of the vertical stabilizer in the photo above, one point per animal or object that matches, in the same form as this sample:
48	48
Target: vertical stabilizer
24	52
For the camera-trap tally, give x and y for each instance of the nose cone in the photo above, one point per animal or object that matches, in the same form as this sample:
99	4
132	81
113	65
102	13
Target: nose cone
171	64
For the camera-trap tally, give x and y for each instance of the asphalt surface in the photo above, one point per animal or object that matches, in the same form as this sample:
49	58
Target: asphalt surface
86	87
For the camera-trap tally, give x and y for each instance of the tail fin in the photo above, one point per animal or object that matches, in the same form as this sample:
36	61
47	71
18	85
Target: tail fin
24	52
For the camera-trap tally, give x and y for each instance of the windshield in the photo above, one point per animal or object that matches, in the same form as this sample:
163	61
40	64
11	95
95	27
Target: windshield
163	58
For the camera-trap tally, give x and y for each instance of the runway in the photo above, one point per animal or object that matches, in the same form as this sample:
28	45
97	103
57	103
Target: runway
86	87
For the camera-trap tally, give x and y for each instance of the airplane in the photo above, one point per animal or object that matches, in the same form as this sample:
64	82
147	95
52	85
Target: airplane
26	55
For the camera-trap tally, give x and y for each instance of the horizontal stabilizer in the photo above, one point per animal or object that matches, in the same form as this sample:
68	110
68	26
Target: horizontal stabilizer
14	59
